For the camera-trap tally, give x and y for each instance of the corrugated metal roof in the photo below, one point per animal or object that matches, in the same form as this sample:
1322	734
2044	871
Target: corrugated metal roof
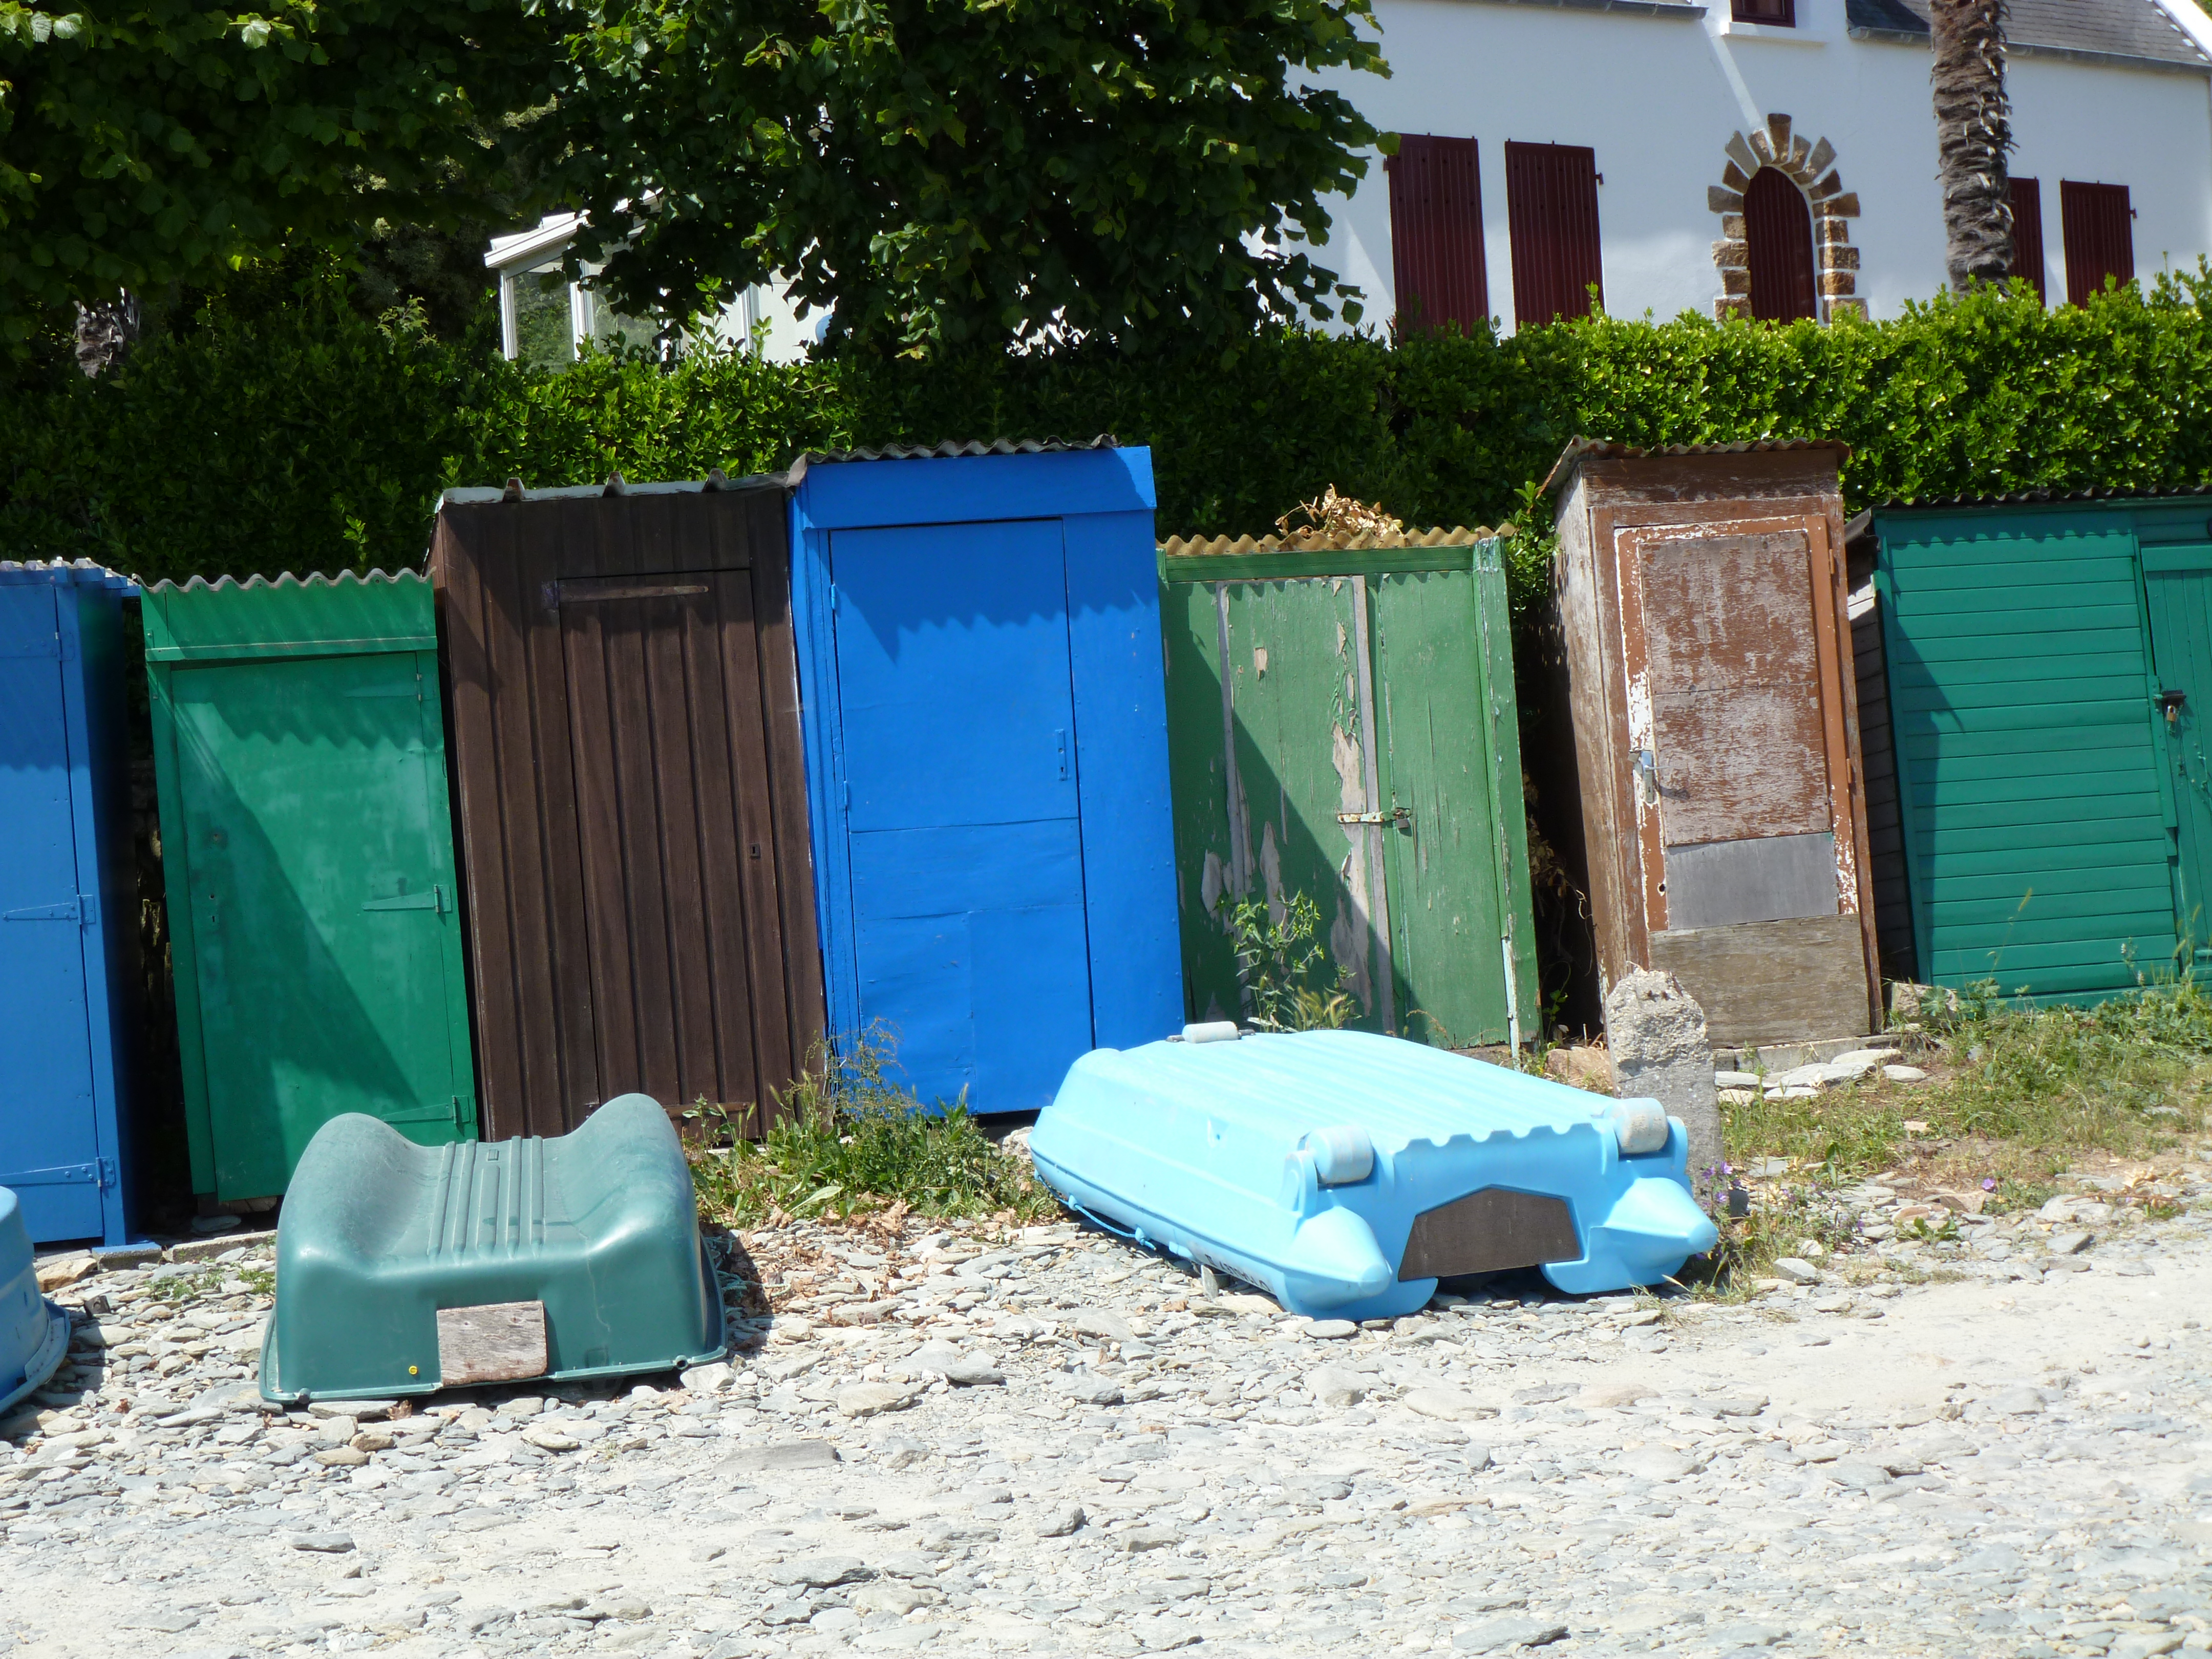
2133	31
286	579
1605	449
23	572
2019	497
952	449
1184	547
615	485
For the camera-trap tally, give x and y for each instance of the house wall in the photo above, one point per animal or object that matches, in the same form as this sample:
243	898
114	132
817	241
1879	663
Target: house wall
1657	98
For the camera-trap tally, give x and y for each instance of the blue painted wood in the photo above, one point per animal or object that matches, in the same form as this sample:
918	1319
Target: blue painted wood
956	721
1104	834
853	495
1129	821
67	901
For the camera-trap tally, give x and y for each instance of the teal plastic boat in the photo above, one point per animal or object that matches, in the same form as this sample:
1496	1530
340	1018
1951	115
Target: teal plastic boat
1348	1172
403	1269
34	1333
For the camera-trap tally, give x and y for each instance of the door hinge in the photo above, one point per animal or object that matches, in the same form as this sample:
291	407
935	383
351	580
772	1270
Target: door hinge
83	910
107	1182
1395	815
61	1175
1059	743
433	900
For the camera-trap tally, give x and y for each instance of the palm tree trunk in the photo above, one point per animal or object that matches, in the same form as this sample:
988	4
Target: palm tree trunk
1973	133
105	334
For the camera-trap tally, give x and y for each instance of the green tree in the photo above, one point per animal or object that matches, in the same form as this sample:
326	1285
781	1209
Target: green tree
965	173
146	143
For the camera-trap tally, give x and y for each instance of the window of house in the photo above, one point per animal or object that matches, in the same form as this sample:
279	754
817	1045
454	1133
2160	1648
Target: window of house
541	316
1780	14
1436	233
1551	206
2027	234
1778	226
2098	227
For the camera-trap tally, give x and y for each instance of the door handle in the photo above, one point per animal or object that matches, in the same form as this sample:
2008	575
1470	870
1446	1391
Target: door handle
1395	815
1644	766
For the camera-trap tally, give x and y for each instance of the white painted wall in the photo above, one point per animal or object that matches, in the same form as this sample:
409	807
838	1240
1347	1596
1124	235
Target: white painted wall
1657	98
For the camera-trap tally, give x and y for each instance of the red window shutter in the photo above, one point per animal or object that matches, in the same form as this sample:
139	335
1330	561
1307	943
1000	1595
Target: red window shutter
1551	206
1779	14
1436	233
2099	233
1778	226
2027	234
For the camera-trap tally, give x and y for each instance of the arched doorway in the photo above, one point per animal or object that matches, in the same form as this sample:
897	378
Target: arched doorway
1778	226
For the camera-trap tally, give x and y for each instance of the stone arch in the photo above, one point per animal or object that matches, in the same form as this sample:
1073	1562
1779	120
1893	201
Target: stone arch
1812	168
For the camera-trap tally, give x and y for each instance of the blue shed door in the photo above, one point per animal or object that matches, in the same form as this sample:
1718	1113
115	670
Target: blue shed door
49	1147
959	734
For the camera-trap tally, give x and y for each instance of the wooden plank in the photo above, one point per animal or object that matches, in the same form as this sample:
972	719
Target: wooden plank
785	782
1741	763
496	1342
1772	981
741	933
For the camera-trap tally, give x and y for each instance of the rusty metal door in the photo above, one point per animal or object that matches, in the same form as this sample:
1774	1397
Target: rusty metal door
632	802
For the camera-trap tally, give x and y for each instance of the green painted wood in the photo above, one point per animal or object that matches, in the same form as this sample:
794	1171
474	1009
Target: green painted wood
2036	827
308	854
2177	583
1262	810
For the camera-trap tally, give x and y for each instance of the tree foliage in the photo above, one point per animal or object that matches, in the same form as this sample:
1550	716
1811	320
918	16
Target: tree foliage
145	143
299	436
949	173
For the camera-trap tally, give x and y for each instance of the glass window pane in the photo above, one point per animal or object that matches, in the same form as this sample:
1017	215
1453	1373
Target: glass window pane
616	330
545	328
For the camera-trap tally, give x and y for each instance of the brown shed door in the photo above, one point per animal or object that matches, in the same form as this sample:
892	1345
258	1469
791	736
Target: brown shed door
2098	227
1436	233
640	886
664	718
1741	775
1551	201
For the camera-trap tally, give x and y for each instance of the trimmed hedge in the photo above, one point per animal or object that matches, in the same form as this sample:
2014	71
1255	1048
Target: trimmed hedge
302	437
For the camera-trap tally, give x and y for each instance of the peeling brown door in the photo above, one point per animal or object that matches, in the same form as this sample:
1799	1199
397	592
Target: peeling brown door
1742	769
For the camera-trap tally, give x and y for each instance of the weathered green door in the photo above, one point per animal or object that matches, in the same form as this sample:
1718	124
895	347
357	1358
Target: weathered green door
1341	726
2177	583
307	845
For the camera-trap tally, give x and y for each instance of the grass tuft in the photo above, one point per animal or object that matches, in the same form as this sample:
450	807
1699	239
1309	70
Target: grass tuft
849	1141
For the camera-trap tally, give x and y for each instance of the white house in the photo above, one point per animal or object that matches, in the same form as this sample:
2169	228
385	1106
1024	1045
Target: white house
1770	157
1773	156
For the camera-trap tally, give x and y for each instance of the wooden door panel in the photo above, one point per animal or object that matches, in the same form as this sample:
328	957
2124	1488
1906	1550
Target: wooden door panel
1738	764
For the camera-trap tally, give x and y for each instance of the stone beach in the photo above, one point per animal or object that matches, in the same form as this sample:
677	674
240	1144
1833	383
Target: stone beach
1962	1436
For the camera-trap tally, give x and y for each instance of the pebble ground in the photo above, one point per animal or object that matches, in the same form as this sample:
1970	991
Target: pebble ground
1991	1443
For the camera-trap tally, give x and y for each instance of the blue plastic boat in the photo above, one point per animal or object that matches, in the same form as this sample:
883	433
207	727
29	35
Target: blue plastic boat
34	1333
1346	1173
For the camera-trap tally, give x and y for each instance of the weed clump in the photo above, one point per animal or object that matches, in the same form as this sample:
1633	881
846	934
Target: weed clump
846	1141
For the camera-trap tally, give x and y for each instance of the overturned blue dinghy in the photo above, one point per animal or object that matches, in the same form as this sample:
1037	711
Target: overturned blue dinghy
34	1333
1348	1172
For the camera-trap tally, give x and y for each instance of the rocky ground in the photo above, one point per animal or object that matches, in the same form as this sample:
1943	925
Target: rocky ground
1966	1437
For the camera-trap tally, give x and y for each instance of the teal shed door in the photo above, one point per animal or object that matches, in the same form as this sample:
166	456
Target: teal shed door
323	916
2177	583
2036	822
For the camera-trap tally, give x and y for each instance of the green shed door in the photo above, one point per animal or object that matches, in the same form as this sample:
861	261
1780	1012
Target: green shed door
2178	582
323	905
2035	823
1453	929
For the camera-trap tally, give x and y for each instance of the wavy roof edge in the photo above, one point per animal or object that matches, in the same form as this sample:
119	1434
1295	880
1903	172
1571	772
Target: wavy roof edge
85	572
514	491
2022	497
287	580
1605	449
953	449
1184	547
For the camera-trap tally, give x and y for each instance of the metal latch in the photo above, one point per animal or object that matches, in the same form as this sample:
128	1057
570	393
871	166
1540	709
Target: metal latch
2171	702
1395	815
